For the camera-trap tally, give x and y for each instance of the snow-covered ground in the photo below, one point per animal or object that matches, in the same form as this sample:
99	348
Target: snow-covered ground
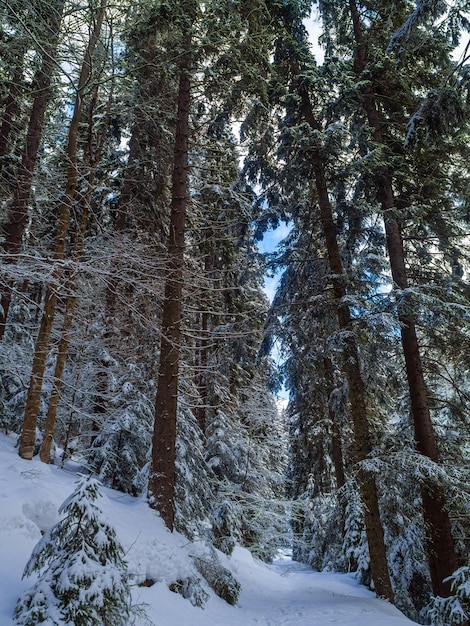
283	594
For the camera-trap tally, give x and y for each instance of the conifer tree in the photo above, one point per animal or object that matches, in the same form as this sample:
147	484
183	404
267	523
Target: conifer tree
161	487
217	221
295	67
441	550
82	572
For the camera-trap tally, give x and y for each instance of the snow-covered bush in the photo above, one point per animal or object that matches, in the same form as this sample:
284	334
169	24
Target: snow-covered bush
83	577
120	451
454	610
355	548
191	589
195	481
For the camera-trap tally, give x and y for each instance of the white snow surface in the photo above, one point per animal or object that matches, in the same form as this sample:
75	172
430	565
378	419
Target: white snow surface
283	594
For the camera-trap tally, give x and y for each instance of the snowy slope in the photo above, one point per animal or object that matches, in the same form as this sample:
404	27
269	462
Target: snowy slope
284	594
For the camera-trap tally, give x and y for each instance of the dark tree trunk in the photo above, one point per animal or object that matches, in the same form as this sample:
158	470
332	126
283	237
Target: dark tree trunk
440	543
356	392
93	157
18	214
161	486
12	105
26	448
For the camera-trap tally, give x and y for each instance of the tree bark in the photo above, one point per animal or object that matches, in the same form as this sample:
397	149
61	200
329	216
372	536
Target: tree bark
12	105
161	487
26	448
93	157
440	543
356	392
18	213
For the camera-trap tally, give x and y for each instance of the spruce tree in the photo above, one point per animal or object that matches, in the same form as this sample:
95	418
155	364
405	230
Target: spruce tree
82	572
380	104
161	488
301	139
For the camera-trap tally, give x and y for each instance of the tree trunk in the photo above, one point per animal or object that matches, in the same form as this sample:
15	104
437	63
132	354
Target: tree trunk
12	105
93	157
161	486
18	213
356	393
46	445
440	543
26	448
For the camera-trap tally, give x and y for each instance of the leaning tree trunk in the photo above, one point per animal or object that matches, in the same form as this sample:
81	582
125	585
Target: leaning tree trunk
28	433
440	543
93	158
18	213
356	395
161	486
356	392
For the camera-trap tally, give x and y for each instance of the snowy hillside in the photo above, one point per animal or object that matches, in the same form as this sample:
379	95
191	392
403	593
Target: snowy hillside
279	595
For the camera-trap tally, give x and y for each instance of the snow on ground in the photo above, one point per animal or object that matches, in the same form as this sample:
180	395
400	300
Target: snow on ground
283	594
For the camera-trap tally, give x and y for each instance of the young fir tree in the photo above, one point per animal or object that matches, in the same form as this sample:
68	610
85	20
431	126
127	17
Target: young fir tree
120	451
82	573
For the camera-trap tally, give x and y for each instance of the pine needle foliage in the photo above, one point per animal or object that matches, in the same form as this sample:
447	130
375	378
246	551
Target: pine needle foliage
83	579
455	610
